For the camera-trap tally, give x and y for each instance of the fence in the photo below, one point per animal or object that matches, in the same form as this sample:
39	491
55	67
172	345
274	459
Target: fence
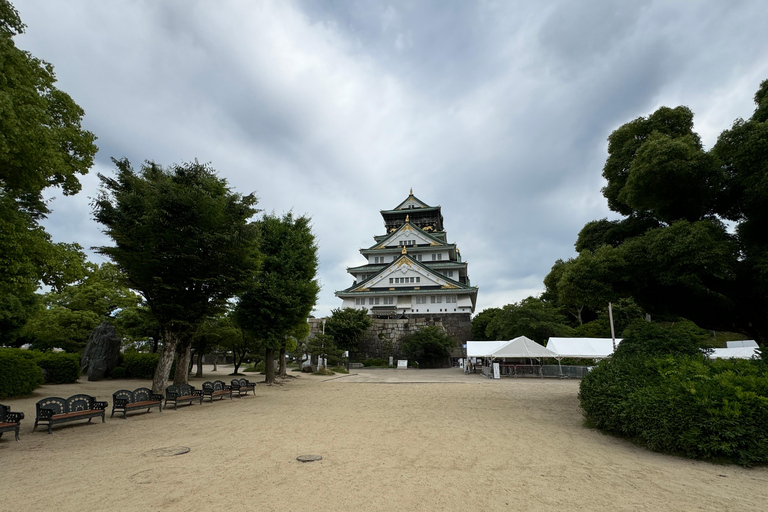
530	370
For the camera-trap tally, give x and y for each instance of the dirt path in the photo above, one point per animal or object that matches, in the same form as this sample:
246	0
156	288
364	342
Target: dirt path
390	440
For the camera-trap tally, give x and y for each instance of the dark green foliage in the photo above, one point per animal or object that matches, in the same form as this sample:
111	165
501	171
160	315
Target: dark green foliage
347	326
117	373
138	365
59	368
683	404
373	361
643	338
19	375
480	323
430	346
532	317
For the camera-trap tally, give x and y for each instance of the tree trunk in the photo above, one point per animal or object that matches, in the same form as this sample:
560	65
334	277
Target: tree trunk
200	356
160	380
269	366
215	359
184	354
282	372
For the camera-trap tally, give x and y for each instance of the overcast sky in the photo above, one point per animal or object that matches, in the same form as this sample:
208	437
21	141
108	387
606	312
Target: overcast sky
496	111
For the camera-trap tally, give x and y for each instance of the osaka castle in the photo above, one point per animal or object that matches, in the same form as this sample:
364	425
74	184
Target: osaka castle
412	269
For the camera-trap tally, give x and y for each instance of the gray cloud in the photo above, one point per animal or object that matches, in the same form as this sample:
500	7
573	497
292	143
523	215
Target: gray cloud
497	111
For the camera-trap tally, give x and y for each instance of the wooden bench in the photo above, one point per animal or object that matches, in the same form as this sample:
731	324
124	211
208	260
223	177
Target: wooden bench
9	421
142	398
185	393
241	387
216	389
61	410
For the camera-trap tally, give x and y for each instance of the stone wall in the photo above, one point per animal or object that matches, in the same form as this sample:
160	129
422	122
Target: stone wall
383	338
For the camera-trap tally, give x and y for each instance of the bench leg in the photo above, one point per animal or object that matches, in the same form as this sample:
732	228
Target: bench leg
17	433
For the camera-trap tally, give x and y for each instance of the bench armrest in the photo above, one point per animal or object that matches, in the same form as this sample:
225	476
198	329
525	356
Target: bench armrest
45	414
100	405
14	417
120	402
156	397
197	392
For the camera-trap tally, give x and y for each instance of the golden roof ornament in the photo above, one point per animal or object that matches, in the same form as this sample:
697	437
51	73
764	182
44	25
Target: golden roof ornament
411	191
406	218
404	251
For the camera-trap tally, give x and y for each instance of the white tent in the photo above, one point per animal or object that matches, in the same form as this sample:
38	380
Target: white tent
742	343
585	348
483	348
734	353
522	347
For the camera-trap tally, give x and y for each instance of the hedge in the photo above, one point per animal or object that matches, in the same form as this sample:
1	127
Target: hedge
688	405
59	368
19	375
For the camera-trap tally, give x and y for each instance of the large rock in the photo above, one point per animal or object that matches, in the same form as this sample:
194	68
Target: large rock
101	352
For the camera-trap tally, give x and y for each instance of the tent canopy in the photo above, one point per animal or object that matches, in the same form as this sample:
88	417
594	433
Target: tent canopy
586	348
483	348
522	347
734	353
742	343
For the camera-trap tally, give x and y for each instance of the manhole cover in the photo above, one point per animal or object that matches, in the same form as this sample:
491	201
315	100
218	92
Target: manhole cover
168	452
308	458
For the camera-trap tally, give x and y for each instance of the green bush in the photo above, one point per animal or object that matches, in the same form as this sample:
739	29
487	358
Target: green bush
689	405
118	372
430	346
643	338
138	365
374	361
59	368
19	375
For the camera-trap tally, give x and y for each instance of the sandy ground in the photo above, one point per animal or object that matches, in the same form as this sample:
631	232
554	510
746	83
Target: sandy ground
390	440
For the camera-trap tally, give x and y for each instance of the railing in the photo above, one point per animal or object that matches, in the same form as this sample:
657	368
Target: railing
532	370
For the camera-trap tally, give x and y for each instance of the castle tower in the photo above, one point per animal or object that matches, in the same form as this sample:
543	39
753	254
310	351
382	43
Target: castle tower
411	270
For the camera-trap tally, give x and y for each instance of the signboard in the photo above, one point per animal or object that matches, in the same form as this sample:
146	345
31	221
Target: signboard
402	364
496	371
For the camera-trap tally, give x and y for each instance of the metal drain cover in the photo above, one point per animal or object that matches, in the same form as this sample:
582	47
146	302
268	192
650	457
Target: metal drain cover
308	458
170	451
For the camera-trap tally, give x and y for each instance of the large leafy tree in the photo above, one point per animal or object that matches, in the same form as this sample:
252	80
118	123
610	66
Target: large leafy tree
347	326
66	318
183	240
42	145
429	346
283	293
678	257
532	317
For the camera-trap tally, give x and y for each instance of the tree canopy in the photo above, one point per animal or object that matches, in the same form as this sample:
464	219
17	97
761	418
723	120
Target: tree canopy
183	239
42	145
282	294
347	326
673	252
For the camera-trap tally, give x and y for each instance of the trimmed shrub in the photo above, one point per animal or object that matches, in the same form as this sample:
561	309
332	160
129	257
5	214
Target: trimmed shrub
374	361
138	365
59	368
117	373
682	404
19	375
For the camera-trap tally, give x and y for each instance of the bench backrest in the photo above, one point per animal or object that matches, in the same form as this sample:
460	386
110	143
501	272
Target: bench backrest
241	382
184	390
137	395
141	395
66	405
216	385
3	410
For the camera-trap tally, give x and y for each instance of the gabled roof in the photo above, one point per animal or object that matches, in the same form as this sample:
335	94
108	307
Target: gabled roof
404	264
522	347
411	202
425	237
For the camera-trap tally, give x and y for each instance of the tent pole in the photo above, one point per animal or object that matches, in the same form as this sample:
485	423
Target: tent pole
613	333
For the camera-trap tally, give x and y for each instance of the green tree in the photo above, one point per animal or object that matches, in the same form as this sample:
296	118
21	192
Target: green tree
321	346
429	346
42	145
531	317
481	321
183	240
675	255
66	318
347	326
283	293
